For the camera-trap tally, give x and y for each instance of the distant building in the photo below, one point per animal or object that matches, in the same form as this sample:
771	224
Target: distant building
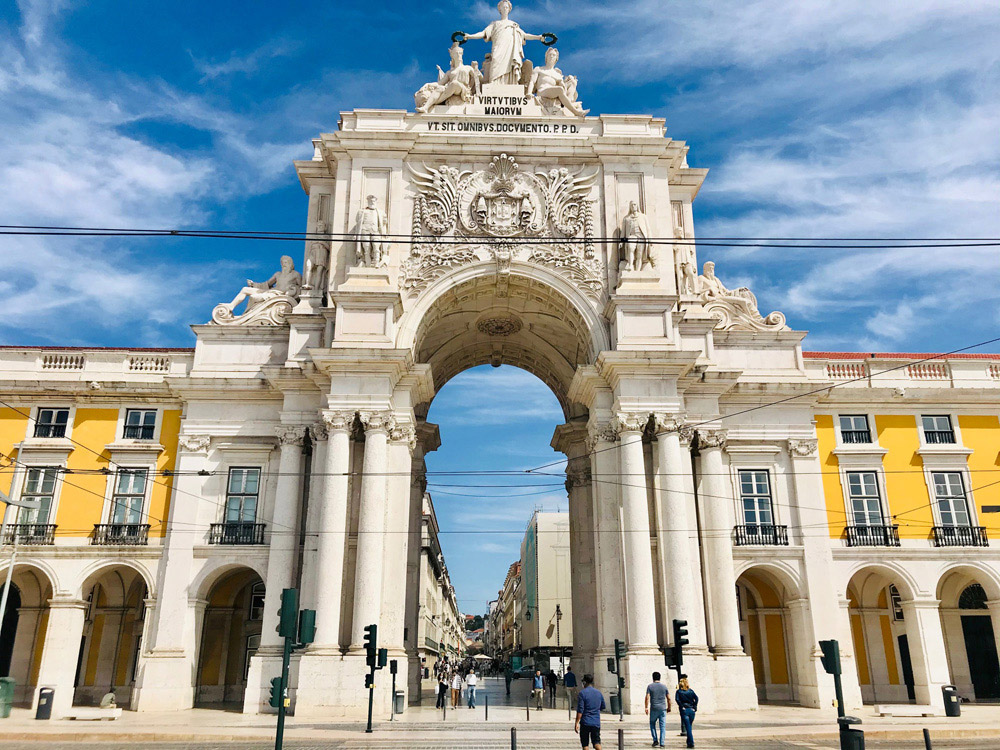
544	598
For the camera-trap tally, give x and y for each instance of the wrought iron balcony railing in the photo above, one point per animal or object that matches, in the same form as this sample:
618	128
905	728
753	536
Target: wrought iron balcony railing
236	532
121	534
876	535
856	436
936	437
769	534
960	536
30	533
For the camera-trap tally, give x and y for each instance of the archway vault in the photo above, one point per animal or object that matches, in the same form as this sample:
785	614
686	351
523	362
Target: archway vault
531	322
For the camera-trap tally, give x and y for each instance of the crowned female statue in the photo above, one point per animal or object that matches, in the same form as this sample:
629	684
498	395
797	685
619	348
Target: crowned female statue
507	52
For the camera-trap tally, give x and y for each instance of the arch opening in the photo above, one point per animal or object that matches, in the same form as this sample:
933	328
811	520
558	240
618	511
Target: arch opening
23	630
766	630
970	633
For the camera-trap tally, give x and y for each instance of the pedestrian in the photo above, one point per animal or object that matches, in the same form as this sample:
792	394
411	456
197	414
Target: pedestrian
470	687
456	689
508	675
589	705
442	690
538	689
569	682
687	705
657	706
552	679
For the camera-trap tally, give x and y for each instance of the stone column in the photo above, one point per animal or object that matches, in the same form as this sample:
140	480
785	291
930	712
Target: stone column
402	442
371	524
310	522
639	591
284	536
332	529
60	652
22	658
927	650
165	676
718	525
673	464
579	487
993	605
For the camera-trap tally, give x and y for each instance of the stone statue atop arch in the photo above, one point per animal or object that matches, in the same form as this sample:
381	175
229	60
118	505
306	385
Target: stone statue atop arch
459	84
554	90
734	308
507	41
267	302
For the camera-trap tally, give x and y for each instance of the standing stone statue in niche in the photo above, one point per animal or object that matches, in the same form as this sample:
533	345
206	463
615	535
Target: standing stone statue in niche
371	233
635	239
555	91
507	46
317	260
687	277
459	82
267	301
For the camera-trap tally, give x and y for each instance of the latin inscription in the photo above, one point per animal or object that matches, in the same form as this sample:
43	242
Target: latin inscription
528	128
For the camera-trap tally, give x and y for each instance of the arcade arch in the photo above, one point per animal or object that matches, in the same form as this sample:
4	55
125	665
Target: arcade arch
25	624
969	619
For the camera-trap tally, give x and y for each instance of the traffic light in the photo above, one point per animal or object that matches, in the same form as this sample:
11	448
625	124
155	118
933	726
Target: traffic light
619	649
369	680
371	645
288	615
383	657
831	656
611	665
670	657
275	700
393	666
307	626
676	654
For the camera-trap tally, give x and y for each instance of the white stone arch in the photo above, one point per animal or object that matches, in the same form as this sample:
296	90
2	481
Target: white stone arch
954	578
89	575
32	569
891	571
214	572
780	571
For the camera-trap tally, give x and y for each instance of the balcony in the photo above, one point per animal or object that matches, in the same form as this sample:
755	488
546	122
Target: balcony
30	533
760	534
856	436
881	535
939	437
238	532
121	534
960	536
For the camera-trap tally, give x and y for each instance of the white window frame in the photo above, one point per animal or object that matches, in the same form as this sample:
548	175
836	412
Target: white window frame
260	492
850	519
941	447
872	431
120	426
112	484
770	497
964	474
20	480
33	420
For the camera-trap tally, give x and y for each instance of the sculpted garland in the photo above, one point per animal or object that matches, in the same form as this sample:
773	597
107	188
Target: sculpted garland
494	210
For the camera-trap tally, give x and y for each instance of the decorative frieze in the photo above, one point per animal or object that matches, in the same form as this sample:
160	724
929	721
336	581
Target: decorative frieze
803	448
194	443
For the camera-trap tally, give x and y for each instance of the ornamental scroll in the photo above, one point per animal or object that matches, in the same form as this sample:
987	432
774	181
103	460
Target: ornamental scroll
460	217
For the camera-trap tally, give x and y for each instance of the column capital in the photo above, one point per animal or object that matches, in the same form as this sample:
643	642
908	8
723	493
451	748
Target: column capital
631	421
602	432
377	421
318	432
338	421
712	438
419	479
195	443
802	448
290	434
403	433
669	422
578	473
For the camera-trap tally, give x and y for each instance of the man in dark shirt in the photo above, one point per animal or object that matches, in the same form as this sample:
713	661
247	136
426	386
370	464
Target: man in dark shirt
589	705
569	682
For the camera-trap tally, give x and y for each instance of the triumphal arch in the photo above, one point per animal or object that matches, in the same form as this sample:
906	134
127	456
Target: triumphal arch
500	222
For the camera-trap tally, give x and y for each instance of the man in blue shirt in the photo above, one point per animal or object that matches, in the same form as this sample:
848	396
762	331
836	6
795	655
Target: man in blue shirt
569	682
588	713
538	689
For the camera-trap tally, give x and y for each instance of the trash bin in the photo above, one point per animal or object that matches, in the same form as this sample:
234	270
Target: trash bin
850	739
398	702
616	703
952	701
6	696
45	697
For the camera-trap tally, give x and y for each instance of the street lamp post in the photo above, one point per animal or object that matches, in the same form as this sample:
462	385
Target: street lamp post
13	555
562	658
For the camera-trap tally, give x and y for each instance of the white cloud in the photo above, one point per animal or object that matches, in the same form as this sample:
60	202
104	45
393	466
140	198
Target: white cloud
246	63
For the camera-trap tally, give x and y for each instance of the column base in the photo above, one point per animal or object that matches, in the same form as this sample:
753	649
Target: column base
165	682
735	688
264	665
332	684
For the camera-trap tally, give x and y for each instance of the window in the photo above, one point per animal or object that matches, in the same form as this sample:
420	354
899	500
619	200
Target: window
937	429
949	493
895	602
253	643
140	424
973	597
241	499
854	429
257	601
755	497
866	504
129	496
39	487
51	423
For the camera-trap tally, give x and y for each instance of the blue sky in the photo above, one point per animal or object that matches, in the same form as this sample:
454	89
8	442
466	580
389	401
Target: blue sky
817	118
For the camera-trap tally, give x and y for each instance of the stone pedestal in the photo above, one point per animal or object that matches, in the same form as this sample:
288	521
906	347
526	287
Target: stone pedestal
367	309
